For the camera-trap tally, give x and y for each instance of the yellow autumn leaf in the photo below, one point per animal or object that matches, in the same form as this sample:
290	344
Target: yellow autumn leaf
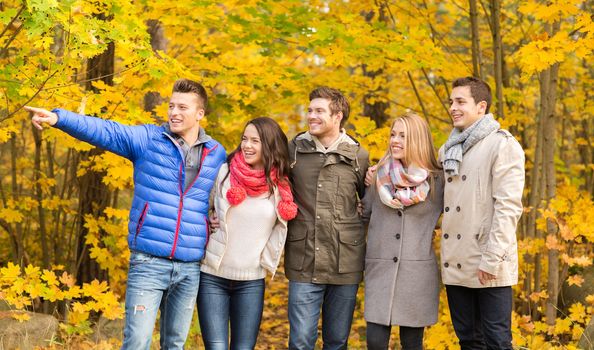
536	296
577	312
575	280
553	243
20	316
562	326
10	273
11	215
32	272
49	277
67	279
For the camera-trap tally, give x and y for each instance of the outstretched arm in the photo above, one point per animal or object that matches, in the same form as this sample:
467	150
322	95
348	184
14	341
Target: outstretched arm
127	141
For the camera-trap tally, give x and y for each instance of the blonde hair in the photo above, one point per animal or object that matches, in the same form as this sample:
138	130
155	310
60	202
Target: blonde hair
418	146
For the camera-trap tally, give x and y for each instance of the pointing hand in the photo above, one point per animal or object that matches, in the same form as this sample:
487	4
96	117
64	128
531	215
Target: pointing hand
42	116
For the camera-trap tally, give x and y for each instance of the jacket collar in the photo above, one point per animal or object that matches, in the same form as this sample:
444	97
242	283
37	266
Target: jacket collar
348	146
203	137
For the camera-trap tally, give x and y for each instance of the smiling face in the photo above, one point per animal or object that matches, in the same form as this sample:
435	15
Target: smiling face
185	112
464	111
251	147
398	141
322	124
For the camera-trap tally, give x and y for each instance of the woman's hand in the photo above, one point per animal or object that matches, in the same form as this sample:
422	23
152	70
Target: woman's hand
213	220
369	175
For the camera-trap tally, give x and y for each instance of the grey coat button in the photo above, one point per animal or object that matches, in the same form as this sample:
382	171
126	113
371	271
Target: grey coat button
399	213
395	259
398	236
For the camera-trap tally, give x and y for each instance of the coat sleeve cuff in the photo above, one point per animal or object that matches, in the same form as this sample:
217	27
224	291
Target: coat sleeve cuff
491	259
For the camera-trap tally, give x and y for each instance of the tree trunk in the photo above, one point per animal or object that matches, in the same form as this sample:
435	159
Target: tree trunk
45	250
548	81
94	195
534	201
476	50
17	232
498	55
158	42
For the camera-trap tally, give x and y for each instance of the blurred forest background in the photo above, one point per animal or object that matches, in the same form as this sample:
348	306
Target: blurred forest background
64	204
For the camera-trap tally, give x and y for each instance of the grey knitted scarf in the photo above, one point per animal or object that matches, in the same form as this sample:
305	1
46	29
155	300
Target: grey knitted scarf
460	142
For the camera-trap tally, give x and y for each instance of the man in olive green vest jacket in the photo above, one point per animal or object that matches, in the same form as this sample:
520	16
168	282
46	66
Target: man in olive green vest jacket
325	249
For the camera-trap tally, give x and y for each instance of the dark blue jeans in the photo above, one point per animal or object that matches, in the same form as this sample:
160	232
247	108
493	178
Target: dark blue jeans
481	316
222	302
337	303
378	337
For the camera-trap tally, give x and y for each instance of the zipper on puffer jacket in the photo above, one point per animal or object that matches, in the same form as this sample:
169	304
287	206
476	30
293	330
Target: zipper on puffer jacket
207	223
183	193
140	221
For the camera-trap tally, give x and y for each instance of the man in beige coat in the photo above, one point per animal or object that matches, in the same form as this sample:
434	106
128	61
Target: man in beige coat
484	174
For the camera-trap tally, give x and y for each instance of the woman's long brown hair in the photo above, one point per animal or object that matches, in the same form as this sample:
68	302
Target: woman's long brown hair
275	149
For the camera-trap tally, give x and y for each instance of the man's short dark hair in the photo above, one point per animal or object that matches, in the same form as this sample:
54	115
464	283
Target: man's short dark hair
479	90
187	85
338	103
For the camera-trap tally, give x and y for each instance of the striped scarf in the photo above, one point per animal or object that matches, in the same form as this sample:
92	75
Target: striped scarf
399	187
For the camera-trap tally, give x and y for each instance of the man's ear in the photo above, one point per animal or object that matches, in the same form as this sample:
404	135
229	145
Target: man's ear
482	107
200	114
339	116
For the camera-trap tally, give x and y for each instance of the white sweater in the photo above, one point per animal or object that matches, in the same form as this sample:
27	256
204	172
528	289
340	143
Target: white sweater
250	238
249	226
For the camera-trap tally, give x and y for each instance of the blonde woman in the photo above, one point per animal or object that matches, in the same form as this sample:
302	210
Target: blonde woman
402	206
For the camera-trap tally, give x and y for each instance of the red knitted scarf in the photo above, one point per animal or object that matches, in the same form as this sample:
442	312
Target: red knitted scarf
246	181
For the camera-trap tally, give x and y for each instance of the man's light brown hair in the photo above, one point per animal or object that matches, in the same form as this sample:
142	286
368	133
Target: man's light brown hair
190	86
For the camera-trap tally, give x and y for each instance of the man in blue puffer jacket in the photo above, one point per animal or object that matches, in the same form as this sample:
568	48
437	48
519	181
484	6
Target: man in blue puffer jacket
175	166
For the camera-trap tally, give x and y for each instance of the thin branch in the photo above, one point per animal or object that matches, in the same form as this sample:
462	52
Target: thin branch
447	110
13	19
30	99
412	83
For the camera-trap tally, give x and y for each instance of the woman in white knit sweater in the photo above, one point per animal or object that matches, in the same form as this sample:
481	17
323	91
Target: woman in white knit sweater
252	203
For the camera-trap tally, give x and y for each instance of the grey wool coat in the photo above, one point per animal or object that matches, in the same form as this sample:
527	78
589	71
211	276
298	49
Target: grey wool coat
401	271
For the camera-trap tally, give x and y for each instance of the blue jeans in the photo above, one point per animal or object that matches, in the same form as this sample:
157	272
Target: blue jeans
337	303
481	316
156	283
222	301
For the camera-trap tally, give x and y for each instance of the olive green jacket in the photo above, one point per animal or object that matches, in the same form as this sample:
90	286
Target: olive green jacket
326	241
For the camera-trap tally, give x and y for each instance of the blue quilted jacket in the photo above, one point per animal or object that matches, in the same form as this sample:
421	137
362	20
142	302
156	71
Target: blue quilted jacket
165	220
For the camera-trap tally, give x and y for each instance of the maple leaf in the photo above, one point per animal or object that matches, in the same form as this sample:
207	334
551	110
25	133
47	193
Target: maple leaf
67	279
575	280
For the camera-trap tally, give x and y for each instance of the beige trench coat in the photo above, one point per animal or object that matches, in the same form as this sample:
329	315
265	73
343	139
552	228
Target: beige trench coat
482	206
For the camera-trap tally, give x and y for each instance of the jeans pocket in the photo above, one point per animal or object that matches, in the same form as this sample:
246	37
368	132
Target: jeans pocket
138	258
